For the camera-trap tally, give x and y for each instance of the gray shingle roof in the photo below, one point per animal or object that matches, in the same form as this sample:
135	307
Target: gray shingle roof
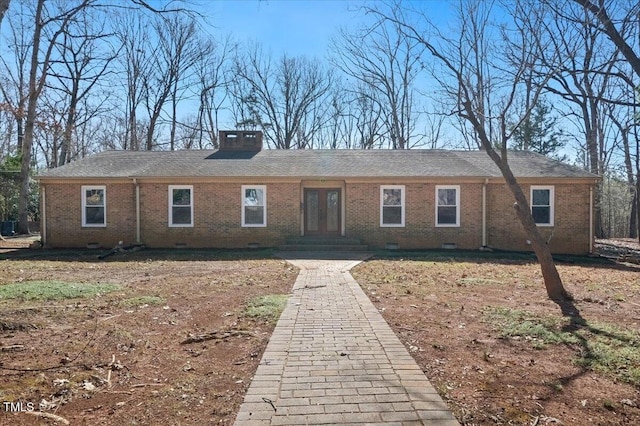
310	164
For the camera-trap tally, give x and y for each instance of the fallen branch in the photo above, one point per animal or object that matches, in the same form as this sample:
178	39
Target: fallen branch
122	249
16	326
215	335
113	361
68	362
108	318
50	416
142	385
12	348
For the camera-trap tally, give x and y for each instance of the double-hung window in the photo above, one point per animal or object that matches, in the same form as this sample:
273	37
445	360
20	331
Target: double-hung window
180	206
392	205
542	205
254	205
94	206
448	205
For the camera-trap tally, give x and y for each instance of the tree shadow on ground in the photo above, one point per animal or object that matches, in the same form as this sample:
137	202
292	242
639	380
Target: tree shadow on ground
93	255
590	358
506	257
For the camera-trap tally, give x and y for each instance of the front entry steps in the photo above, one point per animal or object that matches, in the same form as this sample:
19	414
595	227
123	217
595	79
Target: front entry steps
323	243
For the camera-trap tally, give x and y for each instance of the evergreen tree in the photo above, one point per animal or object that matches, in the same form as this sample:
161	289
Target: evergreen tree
539	133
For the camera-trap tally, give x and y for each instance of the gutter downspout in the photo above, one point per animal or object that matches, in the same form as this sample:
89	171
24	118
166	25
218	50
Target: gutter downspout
43	216
135	182
590	219
484	212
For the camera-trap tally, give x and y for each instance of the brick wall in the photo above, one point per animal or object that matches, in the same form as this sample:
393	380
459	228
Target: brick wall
63	211
570	233
420	230
217	217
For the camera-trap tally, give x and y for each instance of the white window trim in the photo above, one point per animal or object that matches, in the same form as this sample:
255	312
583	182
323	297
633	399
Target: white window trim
402	205
83	195
551	190
264	211
170	196
448	225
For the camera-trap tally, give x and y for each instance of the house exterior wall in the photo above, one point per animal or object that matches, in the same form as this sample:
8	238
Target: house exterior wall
420	230
63	207
217	210
570	233
216	214
217	217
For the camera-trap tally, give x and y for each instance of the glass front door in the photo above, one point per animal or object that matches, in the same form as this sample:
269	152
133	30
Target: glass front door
322	211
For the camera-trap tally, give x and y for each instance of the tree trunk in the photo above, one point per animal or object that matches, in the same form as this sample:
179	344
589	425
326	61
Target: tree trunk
27	140
4	6
65	149
638	204
551	277
633	217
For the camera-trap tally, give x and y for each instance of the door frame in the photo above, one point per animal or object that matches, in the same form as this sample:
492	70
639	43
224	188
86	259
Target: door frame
322	184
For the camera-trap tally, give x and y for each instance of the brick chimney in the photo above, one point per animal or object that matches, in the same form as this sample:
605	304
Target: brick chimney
240	140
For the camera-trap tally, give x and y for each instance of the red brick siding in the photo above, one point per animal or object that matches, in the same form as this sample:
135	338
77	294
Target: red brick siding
217	217
420	231
570	233
64	216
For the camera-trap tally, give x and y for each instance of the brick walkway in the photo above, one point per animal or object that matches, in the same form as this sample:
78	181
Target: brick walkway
332	359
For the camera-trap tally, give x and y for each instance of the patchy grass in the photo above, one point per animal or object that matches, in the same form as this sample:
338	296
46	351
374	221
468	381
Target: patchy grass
133	357
478	281
267	307
451	313
601	347
142	301
53	290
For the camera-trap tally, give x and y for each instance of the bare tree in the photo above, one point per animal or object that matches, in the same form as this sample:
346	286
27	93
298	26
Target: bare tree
617	30
585	77
134	36
213	79
79	66
283	97
185	49
387	64
4	6
47	22
484	88
14	75
600	10
624	124
54	22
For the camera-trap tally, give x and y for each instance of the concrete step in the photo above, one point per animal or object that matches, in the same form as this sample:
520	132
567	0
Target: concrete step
325	247
323	240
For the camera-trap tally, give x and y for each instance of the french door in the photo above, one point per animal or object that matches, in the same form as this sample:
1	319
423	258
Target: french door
322	211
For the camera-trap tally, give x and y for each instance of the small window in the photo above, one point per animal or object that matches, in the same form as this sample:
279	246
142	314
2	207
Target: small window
448	205
94	206
180	206
392	205
542	205
254	206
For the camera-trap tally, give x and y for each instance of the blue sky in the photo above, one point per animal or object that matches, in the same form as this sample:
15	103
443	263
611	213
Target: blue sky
294	27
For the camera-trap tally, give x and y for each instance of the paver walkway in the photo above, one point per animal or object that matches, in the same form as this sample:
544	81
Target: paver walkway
332	359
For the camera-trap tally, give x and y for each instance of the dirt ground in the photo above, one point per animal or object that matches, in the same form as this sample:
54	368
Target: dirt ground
109	360
117	358
440	308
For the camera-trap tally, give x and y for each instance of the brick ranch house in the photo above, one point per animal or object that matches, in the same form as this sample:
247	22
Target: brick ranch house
241	195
